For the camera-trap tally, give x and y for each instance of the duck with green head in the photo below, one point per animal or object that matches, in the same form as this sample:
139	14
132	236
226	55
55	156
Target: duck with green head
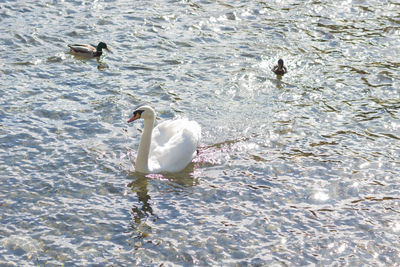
87	50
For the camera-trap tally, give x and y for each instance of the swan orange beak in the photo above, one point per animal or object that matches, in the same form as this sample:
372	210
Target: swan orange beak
134	117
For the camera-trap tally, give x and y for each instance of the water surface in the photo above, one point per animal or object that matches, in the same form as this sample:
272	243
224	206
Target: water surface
295	170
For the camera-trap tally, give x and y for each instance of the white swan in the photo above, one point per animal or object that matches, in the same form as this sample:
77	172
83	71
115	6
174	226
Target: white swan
168	147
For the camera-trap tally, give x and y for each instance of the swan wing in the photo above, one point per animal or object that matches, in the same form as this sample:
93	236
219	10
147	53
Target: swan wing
164	131
174	144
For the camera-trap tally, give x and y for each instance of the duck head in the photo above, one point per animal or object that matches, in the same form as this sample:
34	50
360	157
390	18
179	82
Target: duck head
101	46
280	63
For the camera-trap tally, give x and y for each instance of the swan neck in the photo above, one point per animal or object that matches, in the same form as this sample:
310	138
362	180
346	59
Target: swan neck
142	160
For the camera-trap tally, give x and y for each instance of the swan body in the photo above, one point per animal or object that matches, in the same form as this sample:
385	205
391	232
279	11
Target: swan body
87	50
168	147
279	69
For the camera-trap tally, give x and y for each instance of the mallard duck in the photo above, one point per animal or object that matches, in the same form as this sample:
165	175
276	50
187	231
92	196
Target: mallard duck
87	50
279	69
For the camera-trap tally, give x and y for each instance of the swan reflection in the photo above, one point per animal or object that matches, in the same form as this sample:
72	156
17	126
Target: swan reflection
142	213
139	186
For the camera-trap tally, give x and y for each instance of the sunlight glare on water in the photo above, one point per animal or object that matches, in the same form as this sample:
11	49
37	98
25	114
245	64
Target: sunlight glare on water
301	169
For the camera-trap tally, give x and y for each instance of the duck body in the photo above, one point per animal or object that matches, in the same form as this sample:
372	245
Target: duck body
87	50
168	147
279	69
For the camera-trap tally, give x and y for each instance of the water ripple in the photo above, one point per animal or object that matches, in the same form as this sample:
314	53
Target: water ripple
293	170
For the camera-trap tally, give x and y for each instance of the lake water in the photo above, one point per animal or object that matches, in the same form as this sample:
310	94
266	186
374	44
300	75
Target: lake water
302	169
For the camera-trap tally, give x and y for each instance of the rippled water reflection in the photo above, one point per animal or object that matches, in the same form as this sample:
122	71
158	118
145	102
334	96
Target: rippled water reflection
294	170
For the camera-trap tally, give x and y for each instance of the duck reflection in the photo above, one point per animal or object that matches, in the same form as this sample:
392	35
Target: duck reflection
279	83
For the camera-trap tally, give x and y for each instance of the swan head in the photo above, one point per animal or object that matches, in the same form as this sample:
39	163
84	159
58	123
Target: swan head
143	112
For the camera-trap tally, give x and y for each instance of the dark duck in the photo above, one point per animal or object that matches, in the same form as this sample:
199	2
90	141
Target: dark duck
279	69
